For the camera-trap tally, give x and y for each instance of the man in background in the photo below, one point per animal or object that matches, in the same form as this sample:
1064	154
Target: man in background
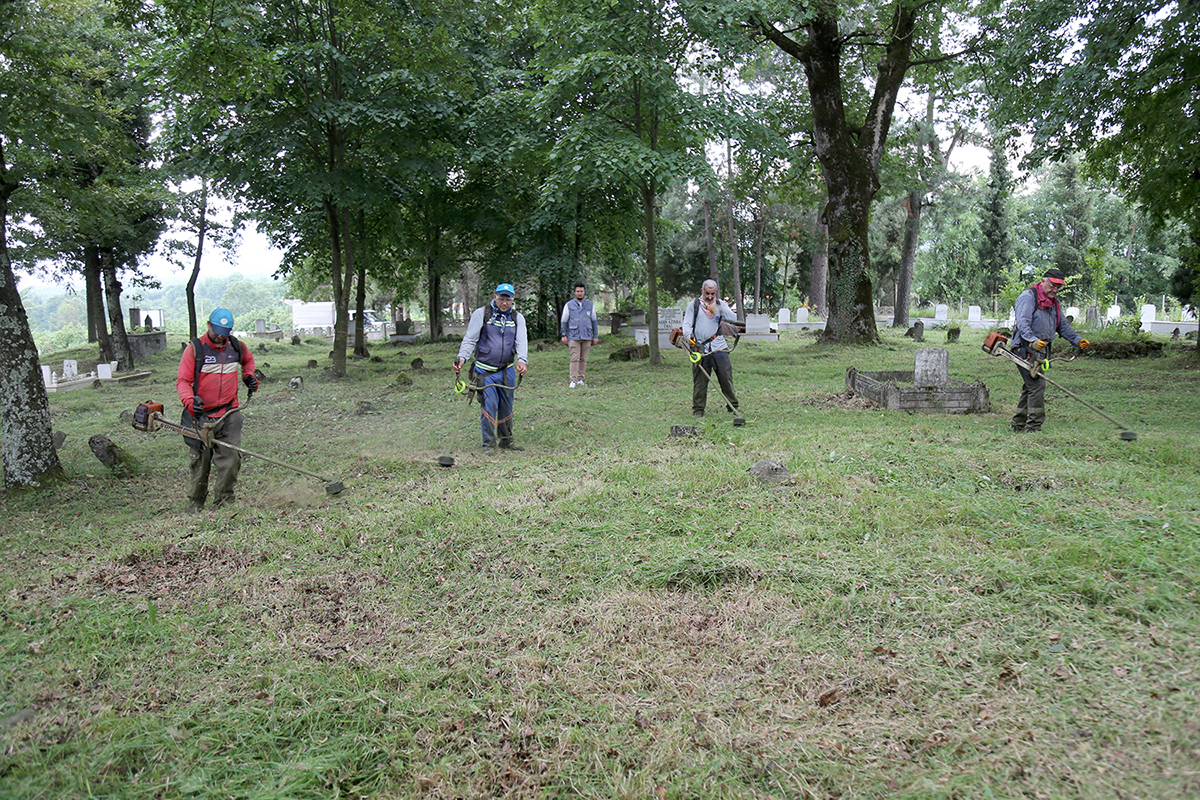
580	330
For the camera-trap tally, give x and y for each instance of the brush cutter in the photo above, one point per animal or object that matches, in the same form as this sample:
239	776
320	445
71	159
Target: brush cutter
472	390
148	417
995	344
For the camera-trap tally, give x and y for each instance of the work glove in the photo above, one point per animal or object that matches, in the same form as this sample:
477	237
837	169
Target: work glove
1083	344
197	406
251	382
1039	345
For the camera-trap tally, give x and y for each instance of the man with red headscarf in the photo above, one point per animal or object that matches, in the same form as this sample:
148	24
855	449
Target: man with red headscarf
1039	319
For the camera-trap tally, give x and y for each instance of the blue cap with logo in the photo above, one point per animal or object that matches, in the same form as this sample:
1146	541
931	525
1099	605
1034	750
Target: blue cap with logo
221	320
505	289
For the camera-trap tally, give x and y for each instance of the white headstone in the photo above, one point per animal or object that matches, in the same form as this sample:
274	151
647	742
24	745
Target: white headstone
1072	312
47	376
260	326
785	316
758	323
1011	323
669	318
1148	316
932	367
641	336
1114	312
104	372
70	368
802	315
974	313
941	313
113	366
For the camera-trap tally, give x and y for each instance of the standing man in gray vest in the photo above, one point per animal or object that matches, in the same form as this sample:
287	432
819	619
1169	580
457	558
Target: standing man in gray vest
580	330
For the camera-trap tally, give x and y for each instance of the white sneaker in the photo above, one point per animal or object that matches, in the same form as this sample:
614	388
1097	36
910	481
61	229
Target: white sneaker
581	383
573	384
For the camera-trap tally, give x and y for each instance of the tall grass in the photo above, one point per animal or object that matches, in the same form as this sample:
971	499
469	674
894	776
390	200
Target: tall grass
932	607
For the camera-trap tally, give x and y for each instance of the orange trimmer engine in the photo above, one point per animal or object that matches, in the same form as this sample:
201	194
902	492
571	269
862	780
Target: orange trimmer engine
992	340
148	416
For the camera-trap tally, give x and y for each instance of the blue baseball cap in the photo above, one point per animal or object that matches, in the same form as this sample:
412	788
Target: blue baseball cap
505	288
221	320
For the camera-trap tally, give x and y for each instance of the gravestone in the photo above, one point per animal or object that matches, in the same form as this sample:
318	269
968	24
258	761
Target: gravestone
758	323
1187	313
974	315
670	318
941	313
47	376
802	315
260	326
104	372
932	367
1148	316
785	316
1092	316
1114	312
70	369
1072	312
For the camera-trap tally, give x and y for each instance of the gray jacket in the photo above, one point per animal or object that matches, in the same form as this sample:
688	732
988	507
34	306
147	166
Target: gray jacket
1035	323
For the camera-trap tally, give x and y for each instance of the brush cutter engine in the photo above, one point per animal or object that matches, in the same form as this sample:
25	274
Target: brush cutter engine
148	416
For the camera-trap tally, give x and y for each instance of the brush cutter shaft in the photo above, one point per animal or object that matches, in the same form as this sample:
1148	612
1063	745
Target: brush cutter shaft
195	434
999	349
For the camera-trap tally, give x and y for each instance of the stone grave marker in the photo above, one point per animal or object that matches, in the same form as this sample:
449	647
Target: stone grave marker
1072	312
1114	312
70	369
941	313
260	326
785	316
104	372
758	323
670	318
974	314
1148	315
802	315
932	367
47	376
1092	316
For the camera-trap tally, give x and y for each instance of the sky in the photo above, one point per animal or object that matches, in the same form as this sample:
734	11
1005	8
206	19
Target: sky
254	258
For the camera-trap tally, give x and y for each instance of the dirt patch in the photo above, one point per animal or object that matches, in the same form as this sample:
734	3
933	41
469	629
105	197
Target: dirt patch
841	400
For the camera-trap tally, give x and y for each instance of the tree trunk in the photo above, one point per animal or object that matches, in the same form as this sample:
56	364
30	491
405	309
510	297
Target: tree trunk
26	446
818	282
201	231
649	195
434	280
93	283
733	248
908	255
758	253
333	219
713	273
360	300
116	318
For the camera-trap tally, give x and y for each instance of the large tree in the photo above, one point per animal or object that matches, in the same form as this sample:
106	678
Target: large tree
848	139
1118	81
49	113
617	112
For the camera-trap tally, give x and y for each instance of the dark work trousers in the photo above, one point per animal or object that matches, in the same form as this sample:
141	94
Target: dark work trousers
1031	408
496	420
227	462
717	363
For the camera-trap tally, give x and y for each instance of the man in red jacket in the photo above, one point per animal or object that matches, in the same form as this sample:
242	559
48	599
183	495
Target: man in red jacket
207	383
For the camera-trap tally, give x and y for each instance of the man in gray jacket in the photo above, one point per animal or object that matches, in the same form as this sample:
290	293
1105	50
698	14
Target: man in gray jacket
1039	319
497	340
702	325
580	330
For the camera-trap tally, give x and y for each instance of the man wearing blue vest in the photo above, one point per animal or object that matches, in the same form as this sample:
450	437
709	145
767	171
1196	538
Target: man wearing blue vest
496	338
207	384
580	330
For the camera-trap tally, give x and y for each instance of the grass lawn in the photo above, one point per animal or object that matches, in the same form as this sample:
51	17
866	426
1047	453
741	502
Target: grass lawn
933	607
